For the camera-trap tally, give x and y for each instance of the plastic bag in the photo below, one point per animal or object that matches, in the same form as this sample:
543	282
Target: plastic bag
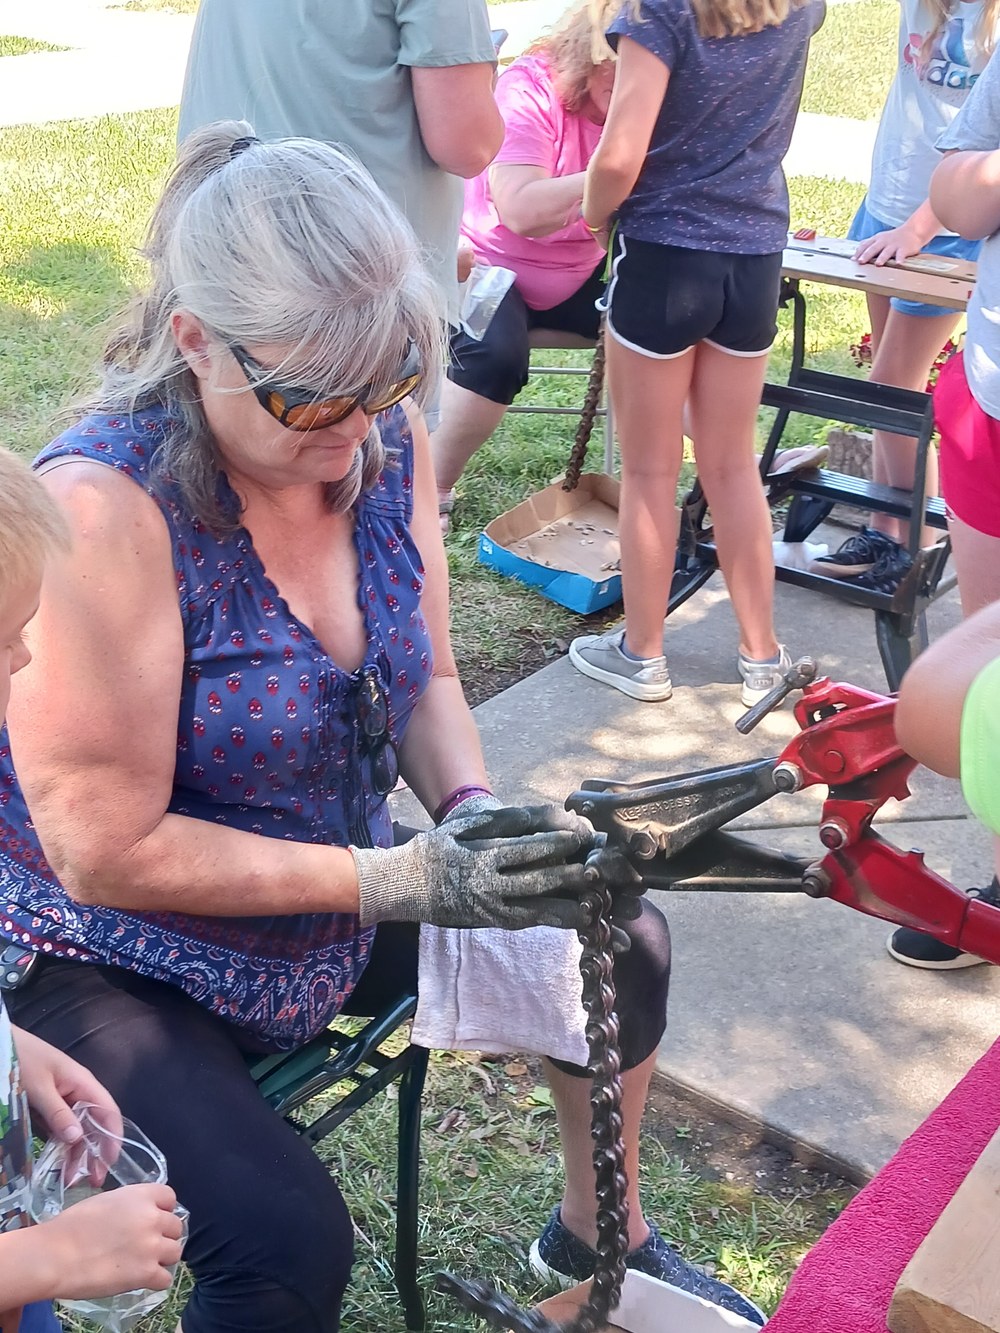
485	288
104	1159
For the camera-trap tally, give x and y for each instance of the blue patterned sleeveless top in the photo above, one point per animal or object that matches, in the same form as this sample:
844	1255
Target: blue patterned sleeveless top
269	741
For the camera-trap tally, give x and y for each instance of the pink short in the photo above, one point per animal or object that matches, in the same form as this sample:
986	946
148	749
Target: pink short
970	451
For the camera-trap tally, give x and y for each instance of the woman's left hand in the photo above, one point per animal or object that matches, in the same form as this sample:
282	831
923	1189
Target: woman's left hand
54	1084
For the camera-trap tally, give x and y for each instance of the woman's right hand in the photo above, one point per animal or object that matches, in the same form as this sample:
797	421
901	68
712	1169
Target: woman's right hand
899	243
512	868
126	1239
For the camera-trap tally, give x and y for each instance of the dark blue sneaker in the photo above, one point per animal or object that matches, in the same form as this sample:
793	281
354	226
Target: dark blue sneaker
886	574
858	555
562	1259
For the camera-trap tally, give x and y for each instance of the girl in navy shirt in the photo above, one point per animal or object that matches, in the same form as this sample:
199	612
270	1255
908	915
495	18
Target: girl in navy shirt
701	116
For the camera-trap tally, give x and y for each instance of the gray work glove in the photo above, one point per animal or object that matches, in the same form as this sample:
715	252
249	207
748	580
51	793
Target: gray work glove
604	862
510	867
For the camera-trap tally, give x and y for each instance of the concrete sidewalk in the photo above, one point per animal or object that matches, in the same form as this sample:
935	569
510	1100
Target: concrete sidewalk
121	61
783	1009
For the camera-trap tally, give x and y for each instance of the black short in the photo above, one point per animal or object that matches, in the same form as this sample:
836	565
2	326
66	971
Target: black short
663	299
497	367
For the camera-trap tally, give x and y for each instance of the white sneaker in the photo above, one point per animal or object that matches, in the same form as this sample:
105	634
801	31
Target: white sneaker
600	657
760	678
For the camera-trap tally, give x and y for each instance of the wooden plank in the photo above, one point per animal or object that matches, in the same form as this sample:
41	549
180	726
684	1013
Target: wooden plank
949	266
931	278
951	1284
835	271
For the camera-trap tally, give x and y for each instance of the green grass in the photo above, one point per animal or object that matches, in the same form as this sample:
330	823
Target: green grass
852	60
23	46
161	6
75	200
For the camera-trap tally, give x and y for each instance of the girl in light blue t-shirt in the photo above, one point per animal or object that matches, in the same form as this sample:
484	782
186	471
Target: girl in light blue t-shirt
943	47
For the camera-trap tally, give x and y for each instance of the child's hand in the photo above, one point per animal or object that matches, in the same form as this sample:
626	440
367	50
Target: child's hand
124	1240
54	1082
893	246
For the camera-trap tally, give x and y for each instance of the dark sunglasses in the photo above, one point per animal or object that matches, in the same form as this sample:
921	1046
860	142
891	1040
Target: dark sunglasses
300	410
373	717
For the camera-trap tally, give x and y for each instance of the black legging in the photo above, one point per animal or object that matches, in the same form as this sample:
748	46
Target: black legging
496	366
271	1243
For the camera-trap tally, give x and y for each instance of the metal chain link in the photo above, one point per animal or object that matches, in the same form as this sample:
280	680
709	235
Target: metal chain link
604	1066
588	414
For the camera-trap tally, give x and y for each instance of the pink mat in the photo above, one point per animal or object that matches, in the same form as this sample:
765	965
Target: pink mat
846	1281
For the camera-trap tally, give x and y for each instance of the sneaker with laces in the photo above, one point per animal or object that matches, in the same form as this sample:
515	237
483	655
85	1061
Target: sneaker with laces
600	657
857	555
886	574
561	1259
916	949
760	678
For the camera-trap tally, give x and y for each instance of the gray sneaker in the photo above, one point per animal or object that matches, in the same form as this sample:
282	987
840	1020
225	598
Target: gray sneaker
600	657
760	678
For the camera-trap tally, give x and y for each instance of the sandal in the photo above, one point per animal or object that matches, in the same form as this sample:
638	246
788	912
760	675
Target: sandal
446	503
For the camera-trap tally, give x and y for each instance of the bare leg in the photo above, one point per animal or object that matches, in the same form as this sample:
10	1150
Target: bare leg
903	352
977	564
878	313
648	397
725	396
467	422
572	1102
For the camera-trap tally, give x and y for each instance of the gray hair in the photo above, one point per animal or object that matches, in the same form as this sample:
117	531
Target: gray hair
287	242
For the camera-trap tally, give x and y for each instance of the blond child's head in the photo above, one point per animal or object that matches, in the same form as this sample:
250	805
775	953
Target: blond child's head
31	528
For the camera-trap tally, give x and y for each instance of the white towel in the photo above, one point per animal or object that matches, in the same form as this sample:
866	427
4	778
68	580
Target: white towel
501	990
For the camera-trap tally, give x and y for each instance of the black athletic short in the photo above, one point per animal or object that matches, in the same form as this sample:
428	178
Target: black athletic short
663	299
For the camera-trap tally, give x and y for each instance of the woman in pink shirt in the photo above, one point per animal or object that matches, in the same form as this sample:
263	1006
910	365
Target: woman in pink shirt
523	213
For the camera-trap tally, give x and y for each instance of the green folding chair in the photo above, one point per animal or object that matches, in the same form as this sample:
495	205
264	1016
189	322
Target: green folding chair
291	1080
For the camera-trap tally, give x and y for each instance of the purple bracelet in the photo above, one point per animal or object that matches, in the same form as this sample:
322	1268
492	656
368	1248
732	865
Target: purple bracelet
456	797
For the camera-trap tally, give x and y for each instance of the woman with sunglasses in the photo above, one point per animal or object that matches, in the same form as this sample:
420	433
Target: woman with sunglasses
248	645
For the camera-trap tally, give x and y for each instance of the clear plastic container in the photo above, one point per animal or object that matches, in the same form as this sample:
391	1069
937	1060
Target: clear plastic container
483	290
107	1157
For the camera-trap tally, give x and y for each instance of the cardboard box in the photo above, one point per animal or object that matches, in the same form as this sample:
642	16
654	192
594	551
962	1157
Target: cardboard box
564	543
648	1305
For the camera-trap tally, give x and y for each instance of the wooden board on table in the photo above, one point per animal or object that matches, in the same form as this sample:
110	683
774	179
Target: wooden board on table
935	279
952	1283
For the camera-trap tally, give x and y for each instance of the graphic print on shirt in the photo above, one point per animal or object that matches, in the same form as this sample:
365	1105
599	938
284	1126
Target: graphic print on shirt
948	59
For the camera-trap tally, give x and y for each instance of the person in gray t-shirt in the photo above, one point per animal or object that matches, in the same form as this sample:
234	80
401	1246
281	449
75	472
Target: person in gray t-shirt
406	85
